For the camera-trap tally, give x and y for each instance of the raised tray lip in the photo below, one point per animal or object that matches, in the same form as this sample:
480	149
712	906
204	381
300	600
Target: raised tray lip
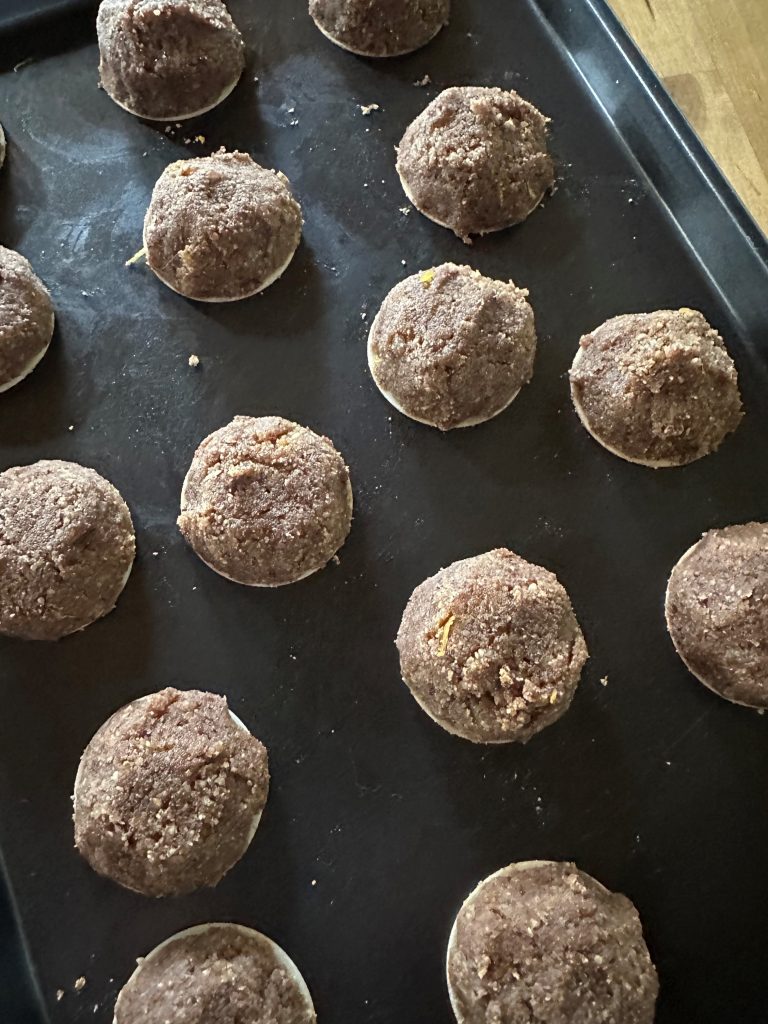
57	25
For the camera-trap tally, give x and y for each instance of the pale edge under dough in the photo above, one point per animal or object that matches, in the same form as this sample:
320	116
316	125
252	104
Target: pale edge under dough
681	561
378	56
442	224
143	700
229	298
279	953
178	117
35	358
471	422
287	583
651	464
510	869
2	146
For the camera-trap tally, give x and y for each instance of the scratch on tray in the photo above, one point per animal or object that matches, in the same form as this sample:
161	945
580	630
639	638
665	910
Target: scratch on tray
649	5
23	63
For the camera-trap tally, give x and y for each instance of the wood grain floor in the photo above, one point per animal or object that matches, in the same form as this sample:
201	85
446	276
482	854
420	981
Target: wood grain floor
712	55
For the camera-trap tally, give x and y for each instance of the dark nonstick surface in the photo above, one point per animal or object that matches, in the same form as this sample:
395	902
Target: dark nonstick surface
378	823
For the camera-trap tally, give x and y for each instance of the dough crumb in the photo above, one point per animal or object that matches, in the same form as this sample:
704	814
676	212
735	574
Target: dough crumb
369	109
59	994
194	360
422	82
604	680
80	984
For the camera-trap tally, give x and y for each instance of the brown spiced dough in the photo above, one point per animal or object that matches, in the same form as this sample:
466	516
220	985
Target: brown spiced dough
450	347
717	612
266	501
491	649
544	942
221	227
475	160
26	318
169	793
215	974
380	28
168	59
66	549
656	388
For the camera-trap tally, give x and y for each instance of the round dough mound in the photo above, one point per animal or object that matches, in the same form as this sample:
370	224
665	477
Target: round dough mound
169	793
221	227
380	28
266	501
545	942
66	549
220	973
26	318
717	612
475	160
491	649
167	60
658	388
452	348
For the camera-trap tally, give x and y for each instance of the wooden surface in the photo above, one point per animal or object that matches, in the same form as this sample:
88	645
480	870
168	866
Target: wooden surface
712	56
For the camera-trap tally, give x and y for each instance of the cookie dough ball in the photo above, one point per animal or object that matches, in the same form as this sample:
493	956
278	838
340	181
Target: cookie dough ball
26	318
717	612
658	388
380	28
452	348
475	160
215	974
221	227
66	549
491	649
169	793
266	502
545	942
167	60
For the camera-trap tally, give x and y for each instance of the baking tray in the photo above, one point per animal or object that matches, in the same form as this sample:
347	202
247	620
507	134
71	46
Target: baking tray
378	823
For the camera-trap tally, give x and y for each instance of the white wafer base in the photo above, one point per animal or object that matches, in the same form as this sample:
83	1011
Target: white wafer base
226	298
32	362
2	146
650	463
278	952
473	421
269	586
377	56
142	700
177	117
510	869
442	224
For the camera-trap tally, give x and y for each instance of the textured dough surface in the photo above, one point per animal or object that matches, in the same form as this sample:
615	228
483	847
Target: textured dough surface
491	649
218	975
66	548
545	943
451	346
266	501
220	227
658	388
165	59
380	28
26	316
476	160
168	792
717	612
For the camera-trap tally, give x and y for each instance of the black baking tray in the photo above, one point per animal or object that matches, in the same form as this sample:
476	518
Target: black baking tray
378	823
